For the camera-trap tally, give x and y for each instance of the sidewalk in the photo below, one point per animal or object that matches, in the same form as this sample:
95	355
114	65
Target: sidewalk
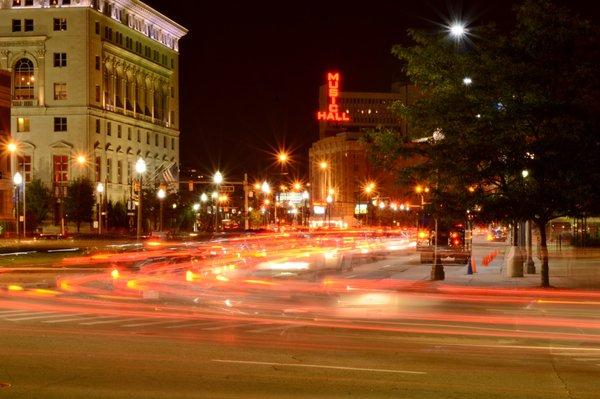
569	268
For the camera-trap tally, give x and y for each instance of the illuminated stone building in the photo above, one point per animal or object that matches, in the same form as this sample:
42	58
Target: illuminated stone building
94	87
5	179
338	164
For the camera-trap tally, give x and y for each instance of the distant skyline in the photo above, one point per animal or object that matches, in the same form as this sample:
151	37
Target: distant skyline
251	72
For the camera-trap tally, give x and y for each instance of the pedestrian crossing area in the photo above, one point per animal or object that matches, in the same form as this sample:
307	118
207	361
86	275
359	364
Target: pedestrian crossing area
129	322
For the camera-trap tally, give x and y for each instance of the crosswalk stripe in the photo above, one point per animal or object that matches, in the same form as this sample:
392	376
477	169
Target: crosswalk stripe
277	327
116	320
229	326
3	312
6	317
151	323
70	319
41	317
203	323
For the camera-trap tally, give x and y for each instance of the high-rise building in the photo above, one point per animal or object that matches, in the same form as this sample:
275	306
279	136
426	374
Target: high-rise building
5	175
94	88
339	167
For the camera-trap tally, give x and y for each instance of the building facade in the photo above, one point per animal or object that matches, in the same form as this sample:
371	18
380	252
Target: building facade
5	176
94	88
339	167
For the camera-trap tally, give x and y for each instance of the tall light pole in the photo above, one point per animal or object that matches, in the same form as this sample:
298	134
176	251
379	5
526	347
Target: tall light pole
266	189
368	190
204	200
329	202
217	179
100	190
140	168
196	208
161	194
305	197
17	180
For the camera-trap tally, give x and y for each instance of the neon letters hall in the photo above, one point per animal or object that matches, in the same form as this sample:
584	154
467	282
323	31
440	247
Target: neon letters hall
333	110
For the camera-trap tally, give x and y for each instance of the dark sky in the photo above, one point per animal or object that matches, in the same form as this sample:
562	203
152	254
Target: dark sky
251	70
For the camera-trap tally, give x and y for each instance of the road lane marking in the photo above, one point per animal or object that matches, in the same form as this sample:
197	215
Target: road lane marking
151	323
229	326
278	327
4	312
117	320
6	317
72	319
203	323
319	366
44	317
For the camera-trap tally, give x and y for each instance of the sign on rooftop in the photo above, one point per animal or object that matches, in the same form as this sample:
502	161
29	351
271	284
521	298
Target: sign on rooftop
333	113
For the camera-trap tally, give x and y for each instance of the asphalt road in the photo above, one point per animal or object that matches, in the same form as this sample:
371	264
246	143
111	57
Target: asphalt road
356	333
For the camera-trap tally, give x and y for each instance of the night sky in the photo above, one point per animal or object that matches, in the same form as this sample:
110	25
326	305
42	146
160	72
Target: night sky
250	71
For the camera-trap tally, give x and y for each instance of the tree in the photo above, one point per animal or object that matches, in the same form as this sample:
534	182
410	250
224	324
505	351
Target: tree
39	201
520	139
79	202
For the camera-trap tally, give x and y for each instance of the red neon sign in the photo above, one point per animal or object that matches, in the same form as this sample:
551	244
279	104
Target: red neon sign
333	109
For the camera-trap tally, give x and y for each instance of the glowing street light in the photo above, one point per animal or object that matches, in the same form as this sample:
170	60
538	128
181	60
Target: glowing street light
525	173
17	180
204	197
265	188
196	207
467	81
81	159
283	157
218	178
457	30
297	186
323	165
12	147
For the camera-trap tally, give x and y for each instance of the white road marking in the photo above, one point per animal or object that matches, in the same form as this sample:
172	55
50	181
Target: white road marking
151	323
319	366
229	326
277	327
116	320
6	317
4	312
202	323
68	319
44	317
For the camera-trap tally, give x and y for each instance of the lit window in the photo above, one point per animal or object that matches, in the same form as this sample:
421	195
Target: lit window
60	91
60	168
22	125
23	80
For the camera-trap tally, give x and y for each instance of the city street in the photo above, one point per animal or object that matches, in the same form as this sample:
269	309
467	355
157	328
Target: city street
330	315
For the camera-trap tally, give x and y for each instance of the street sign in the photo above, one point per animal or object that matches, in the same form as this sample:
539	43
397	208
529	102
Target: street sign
227	189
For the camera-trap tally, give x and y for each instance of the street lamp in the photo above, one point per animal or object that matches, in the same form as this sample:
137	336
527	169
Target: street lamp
457	30
217	179
100	190
17	180
161	194
305	197
204	197
266	189
467	81
140	168
81	159
329	200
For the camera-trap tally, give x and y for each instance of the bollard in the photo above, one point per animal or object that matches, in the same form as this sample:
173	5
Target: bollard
469	267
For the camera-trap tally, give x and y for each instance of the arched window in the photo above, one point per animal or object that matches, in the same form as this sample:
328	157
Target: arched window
24	80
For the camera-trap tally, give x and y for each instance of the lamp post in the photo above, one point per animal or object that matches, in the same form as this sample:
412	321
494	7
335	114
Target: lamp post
217	179
161	194
196	208
329	202
17	180
368	190
266	189
100	190
204	200
305	211
140	168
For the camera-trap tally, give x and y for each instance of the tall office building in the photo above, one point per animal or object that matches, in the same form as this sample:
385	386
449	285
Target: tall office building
338	162
94	88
